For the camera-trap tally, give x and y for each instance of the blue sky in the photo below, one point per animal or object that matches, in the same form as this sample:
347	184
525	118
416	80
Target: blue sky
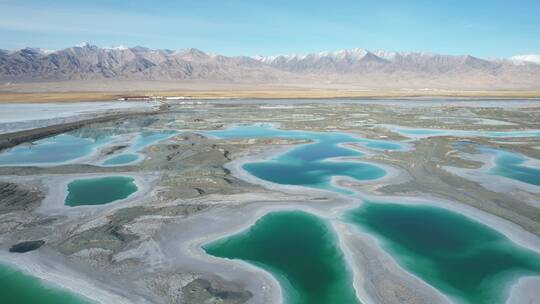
494	28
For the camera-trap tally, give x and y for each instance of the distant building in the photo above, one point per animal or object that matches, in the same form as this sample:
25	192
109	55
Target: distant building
141	98
175	97
134	98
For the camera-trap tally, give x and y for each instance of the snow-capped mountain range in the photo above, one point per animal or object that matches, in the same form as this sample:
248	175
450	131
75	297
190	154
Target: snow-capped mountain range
531	58
355	67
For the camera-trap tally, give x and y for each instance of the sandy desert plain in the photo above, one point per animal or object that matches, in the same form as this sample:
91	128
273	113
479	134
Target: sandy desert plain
342	200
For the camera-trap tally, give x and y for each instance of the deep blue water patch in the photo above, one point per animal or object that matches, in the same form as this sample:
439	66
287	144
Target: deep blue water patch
313	164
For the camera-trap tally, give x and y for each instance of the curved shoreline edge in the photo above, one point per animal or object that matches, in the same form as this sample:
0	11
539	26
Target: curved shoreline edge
256	208
394	176
50	267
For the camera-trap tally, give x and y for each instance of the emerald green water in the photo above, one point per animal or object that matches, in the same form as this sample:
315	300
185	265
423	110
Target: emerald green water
301	250
465	259
18	288
98	191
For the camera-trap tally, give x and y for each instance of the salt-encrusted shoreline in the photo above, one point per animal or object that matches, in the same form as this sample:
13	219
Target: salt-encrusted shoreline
510	230
179	245
483	176
360	272
53	268
53	204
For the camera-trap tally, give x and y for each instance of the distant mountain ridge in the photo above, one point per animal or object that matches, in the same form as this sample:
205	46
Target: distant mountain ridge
88	62
531	58
351	67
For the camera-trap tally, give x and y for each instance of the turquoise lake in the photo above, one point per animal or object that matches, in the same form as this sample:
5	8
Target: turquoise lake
52	150
512	165
71	146
145	139
301	250
310	164
99	191
270	131
424	132
122	159
508	164
466	260
18	288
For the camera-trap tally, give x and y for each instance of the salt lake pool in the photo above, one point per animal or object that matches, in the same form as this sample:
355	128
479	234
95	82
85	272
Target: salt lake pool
511	165
467	260
16	287
312	164
75	146
464	259
51	151
99	191
145	139
300	250
514	166
263	130
425	132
